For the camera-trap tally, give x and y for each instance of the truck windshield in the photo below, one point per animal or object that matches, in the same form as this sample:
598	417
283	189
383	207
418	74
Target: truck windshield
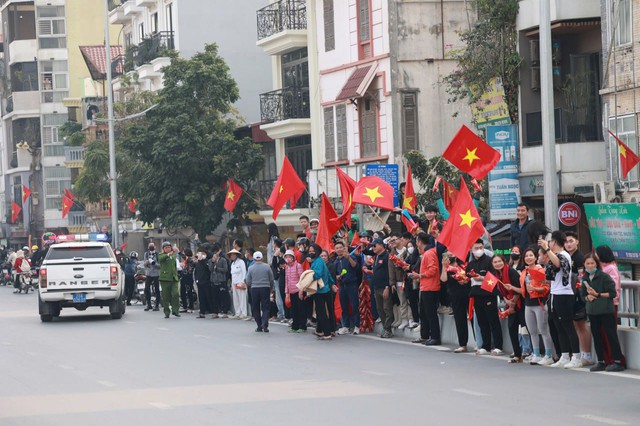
61	253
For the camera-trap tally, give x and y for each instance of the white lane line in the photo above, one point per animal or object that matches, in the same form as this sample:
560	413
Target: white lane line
201	336
107	384
604	420
375	373
160	405
304	358
163	328
129	322
65	367
244	345
7	343
470	392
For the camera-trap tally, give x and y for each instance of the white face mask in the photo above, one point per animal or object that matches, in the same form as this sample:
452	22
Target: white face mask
410	250
478	253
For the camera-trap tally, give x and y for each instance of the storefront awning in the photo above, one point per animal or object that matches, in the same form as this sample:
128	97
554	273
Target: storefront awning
358	83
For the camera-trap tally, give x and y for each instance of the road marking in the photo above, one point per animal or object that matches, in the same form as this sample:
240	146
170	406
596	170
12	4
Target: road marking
163	328
180	397
604	420
244	345
304	358
201	336
375	373
107	384
160	405
65	367
470	392
7	343
129	322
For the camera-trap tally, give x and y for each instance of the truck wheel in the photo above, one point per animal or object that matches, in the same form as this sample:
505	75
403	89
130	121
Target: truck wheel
116	315
46	318
117	308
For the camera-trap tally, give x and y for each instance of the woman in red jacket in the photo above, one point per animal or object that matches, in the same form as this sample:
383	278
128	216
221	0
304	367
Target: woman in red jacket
510	292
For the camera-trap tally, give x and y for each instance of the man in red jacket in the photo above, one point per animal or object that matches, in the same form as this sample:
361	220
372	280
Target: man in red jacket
429	277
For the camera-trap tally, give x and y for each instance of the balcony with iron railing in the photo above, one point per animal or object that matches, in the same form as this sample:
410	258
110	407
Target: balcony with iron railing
74	156
282	26
157	45
285	112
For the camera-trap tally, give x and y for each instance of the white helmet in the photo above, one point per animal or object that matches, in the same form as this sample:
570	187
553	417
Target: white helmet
133	254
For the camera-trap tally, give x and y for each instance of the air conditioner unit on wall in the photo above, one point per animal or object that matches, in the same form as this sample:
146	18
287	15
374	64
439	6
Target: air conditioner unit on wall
604	192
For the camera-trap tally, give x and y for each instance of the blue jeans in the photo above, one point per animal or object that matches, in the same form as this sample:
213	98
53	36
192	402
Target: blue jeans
349	296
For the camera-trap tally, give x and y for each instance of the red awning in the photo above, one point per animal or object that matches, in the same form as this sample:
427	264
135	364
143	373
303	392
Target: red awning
96	60
358	83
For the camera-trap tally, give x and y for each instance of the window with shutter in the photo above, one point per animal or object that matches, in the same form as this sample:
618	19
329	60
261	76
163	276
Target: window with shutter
329	136
329	26
410	120
341	132
368	127
364	29
52	27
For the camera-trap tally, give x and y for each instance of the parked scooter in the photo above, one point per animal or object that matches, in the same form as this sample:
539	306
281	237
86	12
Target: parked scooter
139	293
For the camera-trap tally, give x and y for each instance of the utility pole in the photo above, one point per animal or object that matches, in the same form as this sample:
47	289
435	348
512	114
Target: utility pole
112	143
548	120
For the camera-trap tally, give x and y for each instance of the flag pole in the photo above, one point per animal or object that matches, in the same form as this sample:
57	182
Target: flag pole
377	216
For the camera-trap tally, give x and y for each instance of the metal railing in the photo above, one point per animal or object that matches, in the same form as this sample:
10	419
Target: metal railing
73	153
281	16
156	45
629	308
284	104
77	218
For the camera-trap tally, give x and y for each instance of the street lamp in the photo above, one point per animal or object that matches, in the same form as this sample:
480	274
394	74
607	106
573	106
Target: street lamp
112	143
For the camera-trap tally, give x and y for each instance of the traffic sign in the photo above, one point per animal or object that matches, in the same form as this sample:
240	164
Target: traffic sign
569	214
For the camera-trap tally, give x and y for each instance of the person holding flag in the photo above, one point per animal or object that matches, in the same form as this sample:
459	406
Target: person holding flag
510	292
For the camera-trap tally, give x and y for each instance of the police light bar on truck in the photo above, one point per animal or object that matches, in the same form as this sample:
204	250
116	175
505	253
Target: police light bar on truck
100	238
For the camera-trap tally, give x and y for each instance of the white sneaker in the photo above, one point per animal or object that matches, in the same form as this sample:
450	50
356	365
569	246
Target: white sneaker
561	362
460	350
356	330
412	324
443	310
574	363
497	352
404	324
587	361
533	359
343	330
546	360
482	351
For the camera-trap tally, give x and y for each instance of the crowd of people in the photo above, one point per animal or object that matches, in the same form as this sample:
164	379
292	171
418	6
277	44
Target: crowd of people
555	300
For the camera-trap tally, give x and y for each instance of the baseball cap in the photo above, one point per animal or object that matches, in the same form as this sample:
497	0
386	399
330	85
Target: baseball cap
378	241
166	244
257	255
290	253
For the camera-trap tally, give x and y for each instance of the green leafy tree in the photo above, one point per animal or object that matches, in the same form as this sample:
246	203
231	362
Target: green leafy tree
184	150
490	51
425	171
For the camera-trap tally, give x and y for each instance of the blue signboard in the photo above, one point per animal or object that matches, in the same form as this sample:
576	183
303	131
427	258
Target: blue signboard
386	172
504	187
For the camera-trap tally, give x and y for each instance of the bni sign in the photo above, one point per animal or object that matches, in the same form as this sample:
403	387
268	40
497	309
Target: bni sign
569	214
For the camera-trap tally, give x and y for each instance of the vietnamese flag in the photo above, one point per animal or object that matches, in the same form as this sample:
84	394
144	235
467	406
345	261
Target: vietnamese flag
25	193
537	274
464	227
132	205
409	202
327	227
356	240
69	194
628	158
234	192
470	154
347	185
490	282
373	191
288	187
15	211
449	195
67	203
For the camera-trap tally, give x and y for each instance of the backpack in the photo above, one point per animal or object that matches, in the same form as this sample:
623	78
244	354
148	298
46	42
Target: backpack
25	266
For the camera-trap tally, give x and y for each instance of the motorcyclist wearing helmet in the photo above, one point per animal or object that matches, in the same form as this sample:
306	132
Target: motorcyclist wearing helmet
36	256
130	268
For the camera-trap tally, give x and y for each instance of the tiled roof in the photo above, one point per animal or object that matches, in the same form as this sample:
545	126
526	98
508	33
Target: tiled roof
95	57
357	84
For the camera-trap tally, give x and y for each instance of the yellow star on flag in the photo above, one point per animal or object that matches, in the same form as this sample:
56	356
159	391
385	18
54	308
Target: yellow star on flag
490	282
373	193
407	203
467	218
623	150
471	155
350	200
281	189
231	195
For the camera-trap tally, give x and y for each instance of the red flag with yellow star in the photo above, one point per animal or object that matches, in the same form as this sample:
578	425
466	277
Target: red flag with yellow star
133	205
628	158
490	282
288	187
449	195
347	185
464	227
327	226
15	211
67	203
25	193
409	202
373	191
471	154
234	192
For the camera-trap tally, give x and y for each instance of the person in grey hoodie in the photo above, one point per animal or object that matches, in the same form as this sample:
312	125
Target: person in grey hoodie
260	282
152	273
219	266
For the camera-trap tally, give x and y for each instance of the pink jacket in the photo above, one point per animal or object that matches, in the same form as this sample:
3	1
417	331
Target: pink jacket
291	277
612	270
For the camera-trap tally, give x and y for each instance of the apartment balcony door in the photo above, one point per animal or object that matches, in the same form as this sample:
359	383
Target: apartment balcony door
298	151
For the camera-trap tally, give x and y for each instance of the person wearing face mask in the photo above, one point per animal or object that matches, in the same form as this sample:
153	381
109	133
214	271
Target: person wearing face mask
202	279
346	266
610	267
459	296
411	288
152	273
292	272
485	303
598	289
429	277
509	290
515	259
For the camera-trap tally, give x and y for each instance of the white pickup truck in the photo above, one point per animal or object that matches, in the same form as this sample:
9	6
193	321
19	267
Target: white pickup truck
78	275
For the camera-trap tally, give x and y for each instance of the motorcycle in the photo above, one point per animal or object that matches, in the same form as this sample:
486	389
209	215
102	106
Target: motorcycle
25	282
5	278
35	277
139	293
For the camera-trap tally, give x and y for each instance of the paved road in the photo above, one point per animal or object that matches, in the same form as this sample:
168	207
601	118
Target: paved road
88	369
